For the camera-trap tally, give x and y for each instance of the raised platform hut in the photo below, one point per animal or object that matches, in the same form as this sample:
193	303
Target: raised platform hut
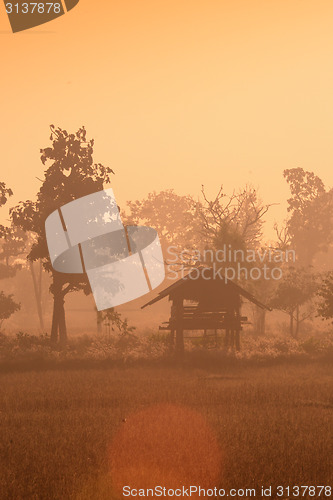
202	300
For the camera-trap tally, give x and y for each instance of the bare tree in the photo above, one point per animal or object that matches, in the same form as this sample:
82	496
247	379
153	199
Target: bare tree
237	218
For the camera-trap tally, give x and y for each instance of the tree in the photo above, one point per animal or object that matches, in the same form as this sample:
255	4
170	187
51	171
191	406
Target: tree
194	225
235	222
172	215
7	307
311	213
10	246
235	219
175	219
13	244
38	290
110	318
295	289
16	245
325	292
308	231
70	174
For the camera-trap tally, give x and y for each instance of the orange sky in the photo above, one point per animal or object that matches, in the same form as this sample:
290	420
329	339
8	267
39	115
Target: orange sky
176	93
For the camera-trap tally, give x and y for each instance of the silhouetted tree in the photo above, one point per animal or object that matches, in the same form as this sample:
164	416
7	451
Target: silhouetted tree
7	307
264	287
176	221
235	219
311	212
325	292
308	231
110	319
235	222
11	245
172	215
295	289
70	174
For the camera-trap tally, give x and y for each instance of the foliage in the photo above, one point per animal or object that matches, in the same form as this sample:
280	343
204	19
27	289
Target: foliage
311	210
5	193
173	216
7	306
127	348
325	292
282	347
71	174
236	219
296	288
304	186
111	318
12	244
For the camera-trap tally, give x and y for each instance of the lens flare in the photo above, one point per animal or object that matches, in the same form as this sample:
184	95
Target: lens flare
167	445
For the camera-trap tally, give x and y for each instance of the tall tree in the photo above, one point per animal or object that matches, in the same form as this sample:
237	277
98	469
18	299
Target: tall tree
311	213
308	231
235	222
70	174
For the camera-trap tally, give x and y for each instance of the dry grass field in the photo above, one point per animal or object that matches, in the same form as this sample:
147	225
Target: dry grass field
81	434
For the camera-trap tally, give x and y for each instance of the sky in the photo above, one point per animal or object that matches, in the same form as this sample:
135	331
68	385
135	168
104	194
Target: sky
176	94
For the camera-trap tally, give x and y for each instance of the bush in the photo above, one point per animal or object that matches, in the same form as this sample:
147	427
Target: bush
127	347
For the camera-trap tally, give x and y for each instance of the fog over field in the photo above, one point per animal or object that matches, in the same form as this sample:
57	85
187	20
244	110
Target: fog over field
166	249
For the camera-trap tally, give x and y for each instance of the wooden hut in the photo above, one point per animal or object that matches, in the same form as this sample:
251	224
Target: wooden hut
204	301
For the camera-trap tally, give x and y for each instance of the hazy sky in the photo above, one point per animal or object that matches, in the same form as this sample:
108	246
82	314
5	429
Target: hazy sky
176	93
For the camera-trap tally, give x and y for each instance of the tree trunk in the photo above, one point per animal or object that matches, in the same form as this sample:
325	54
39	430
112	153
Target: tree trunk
38	295
62	323
99	320
58	329
297	322
54	327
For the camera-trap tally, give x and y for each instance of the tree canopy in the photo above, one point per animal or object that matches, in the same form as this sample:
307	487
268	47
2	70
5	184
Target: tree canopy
311	214
70	174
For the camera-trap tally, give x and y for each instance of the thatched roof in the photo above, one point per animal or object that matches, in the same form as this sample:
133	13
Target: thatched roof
186	281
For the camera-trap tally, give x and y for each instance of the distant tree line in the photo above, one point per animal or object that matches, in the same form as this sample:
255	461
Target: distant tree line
182	221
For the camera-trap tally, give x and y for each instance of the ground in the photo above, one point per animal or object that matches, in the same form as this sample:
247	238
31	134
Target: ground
81	433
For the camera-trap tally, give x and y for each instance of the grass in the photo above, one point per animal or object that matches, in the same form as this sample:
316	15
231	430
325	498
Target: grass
238	426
